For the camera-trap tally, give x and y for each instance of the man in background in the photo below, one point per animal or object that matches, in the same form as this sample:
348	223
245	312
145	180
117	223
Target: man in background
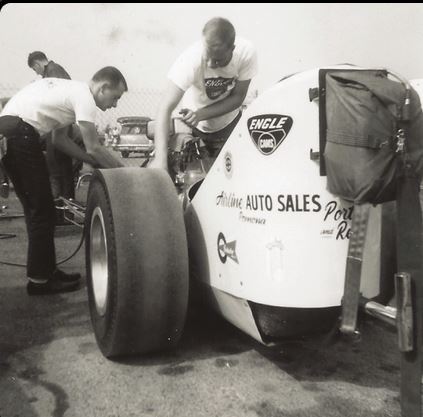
59	164
42	66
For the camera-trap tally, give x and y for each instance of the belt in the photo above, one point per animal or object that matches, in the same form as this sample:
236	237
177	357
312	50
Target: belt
12	125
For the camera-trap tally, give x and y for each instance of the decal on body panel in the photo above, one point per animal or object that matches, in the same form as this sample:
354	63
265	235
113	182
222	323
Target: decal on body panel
226	249
268	131
274	259
335	216
228	164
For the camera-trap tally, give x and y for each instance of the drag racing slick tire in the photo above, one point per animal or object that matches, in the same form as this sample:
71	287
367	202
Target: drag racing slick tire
136	260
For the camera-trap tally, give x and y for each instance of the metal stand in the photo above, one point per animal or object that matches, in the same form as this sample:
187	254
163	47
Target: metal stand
7	235
410	299
350	301
73	207
407	316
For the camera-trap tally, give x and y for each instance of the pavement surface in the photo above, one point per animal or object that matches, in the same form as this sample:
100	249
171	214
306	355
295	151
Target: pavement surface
50	364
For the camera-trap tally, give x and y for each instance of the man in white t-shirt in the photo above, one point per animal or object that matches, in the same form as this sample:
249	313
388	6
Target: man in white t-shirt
52	105
212	77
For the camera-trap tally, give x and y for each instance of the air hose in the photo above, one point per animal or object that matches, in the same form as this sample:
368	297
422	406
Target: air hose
10	235
77	210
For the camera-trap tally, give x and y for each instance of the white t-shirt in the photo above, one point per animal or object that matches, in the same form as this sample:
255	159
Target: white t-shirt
204	85
51	103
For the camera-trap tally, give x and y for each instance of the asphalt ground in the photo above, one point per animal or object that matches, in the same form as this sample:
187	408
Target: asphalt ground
50	364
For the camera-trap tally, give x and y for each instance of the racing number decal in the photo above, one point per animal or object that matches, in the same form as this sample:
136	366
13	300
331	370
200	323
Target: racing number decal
226	249
268	131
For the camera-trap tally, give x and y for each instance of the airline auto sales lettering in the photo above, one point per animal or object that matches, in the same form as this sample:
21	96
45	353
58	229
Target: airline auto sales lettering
306	203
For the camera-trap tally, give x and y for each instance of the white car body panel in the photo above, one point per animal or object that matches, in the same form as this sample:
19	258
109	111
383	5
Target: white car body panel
286	235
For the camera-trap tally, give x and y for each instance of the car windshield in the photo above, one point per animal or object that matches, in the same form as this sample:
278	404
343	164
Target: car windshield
132	130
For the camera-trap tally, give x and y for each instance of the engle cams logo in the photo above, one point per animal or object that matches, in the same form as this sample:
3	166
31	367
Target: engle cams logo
268	131
215	87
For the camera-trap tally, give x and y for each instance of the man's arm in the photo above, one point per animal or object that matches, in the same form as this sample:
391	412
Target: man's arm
172	97
61	141
232	102
96	154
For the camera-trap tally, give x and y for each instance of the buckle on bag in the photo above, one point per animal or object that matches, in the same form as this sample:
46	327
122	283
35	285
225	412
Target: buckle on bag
400	140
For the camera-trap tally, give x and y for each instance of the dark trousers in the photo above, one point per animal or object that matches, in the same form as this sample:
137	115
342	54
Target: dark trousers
214	141
26	166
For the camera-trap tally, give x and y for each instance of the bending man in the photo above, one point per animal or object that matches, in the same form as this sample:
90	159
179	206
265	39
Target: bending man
213	77
52	105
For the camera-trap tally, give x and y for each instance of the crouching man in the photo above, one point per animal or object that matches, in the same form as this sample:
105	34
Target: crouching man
52	105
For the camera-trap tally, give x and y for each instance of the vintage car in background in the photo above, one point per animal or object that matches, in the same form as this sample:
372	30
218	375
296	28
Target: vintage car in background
132	136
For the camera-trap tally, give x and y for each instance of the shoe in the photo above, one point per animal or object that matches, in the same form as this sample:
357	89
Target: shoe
52	286
60	275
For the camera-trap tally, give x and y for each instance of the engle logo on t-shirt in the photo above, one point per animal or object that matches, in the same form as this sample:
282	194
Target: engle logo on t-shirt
217	86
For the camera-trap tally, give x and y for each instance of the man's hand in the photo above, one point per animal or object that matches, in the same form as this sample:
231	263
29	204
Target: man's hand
93	163
190	117
86	168
103	157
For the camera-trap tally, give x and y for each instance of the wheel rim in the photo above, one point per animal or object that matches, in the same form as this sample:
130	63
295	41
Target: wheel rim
99	264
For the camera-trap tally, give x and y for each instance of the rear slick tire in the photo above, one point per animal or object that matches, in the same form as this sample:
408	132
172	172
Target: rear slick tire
136	260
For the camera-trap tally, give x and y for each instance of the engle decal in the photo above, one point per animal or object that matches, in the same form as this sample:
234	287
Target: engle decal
215	87
268	131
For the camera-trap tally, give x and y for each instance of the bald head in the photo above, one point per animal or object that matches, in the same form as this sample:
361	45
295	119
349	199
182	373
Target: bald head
219	30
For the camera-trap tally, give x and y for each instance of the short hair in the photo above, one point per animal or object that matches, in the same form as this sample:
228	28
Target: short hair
36	56
112	75
222	28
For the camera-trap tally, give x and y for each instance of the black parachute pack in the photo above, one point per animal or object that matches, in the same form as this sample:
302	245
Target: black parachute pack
374	130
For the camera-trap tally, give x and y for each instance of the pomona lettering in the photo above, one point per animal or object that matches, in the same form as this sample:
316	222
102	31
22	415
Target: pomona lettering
250	219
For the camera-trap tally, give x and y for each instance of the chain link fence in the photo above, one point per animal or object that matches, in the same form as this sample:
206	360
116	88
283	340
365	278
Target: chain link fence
142	102
7	91
133	103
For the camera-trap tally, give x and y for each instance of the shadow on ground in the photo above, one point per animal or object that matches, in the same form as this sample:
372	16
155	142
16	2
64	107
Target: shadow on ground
32	323
29	324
